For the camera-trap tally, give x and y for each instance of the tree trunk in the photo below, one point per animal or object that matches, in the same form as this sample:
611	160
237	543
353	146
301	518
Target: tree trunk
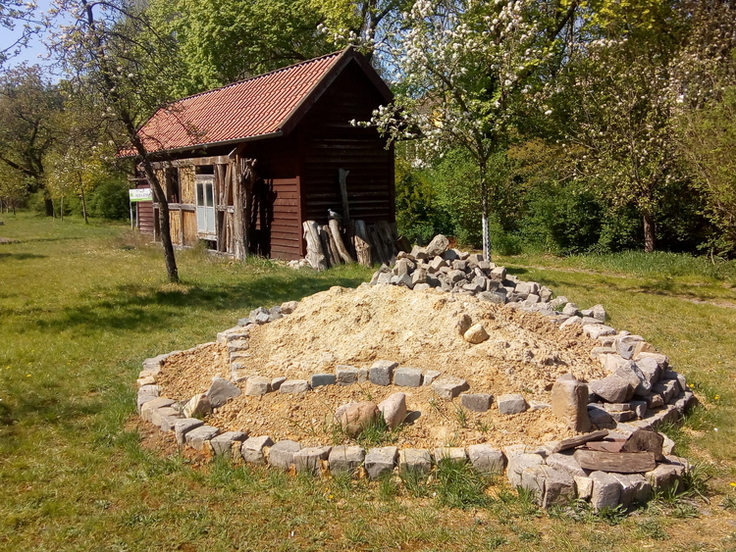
163	209
84	202
649	232
484	213
343	252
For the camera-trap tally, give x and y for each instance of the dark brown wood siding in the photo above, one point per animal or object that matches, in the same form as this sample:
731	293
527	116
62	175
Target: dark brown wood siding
144	212
330	142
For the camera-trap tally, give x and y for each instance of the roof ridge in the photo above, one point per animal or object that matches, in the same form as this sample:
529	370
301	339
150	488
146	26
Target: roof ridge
292	66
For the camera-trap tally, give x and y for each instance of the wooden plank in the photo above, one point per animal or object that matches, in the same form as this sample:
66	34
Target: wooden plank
573	442
617	462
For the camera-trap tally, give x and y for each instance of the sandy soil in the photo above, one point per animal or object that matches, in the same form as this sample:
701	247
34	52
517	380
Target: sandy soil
526	352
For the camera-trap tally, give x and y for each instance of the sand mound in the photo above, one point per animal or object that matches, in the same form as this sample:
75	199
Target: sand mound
526	352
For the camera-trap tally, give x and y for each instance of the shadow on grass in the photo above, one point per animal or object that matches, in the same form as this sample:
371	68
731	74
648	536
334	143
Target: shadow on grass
20	256
135	307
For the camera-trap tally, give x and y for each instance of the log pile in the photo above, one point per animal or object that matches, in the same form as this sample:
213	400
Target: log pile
332	244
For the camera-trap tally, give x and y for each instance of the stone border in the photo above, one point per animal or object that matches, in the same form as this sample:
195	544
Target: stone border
553	471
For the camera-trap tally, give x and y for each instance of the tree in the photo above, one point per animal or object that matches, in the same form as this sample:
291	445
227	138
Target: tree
12	14
29	108
222	41
111	51
467	69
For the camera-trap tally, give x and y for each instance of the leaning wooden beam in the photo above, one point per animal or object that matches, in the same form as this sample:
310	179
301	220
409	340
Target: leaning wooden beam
343	179
314	249
335	228
329	246
362	243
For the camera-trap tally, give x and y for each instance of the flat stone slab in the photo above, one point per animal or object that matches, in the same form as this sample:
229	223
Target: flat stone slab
197	437
619	462
221	391
252	449
452	454
222	445
318	380
381	372
415	459
513	403
346	458
309	459
184	426
407	377
486	460
380	461
449	387
477	402
281	454
294	386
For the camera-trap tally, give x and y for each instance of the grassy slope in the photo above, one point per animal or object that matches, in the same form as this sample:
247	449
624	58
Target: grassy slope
80	307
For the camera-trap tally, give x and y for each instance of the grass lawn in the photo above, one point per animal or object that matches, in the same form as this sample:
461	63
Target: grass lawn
82	306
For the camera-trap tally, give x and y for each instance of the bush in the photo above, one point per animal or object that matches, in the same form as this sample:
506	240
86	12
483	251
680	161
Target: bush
110	200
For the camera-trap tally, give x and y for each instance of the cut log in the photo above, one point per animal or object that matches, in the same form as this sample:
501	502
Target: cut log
581	440
388	240
335	231
315	256
362	244
331	248
324	239
616	462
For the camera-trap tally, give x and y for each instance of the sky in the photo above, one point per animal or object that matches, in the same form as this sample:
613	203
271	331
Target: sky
36	49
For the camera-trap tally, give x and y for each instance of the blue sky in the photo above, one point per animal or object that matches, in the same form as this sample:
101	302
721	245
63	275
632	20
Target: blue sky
36	50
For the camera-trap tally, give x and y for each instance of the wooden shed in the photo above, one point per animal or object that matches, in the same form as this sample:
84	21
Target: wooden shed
267	154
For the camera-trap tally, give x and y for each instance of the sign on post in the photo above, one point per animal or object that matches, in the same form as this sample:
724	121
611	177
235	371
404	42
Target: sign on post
140	194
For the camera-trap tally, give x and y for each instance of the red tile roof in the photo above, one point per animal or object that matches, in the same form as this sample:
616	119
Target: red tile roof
256	107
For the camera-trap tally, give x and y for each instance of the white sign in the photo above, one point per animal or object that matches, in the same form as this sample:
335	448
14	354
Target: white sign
142	194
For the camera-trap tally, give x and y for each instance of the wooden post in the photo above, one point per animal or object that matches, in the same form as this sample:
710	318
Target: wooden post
335	231
362	243
314	249
343	179
243	178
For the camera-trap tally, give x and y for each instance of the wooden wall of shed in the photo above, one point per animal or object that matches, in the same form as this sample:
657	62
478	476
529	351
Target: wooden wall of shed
330	142
189	220
186	185
175	227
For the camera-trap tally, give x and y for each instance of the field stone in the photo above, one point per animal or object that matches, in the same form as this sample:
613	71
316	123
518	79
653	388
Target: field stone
477	402
649	369
613	389
380	461
463	323
599	417
289	307
319	380
154	404
355	417
255	386
584	486
428	376
449	387
565	462
294	386
393	409
415	459
476	334
570	309
569	399
144	397
346	458
606	490
162	417
252	449
552	487
437	246
381	371
346	375
281	455
486	460
221	391
512	403
276	382
596	330
518	463
308	460
407	377
450	454
197	436
183	426
571	321
638	381
222	445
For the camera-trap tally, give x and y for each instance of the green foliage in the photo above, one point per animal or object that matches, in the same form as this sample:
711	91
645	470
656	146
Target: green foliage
419	216
110	200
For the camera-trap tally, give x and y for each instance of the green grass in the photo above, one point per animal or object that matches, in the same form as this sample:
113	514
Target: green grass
82	306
